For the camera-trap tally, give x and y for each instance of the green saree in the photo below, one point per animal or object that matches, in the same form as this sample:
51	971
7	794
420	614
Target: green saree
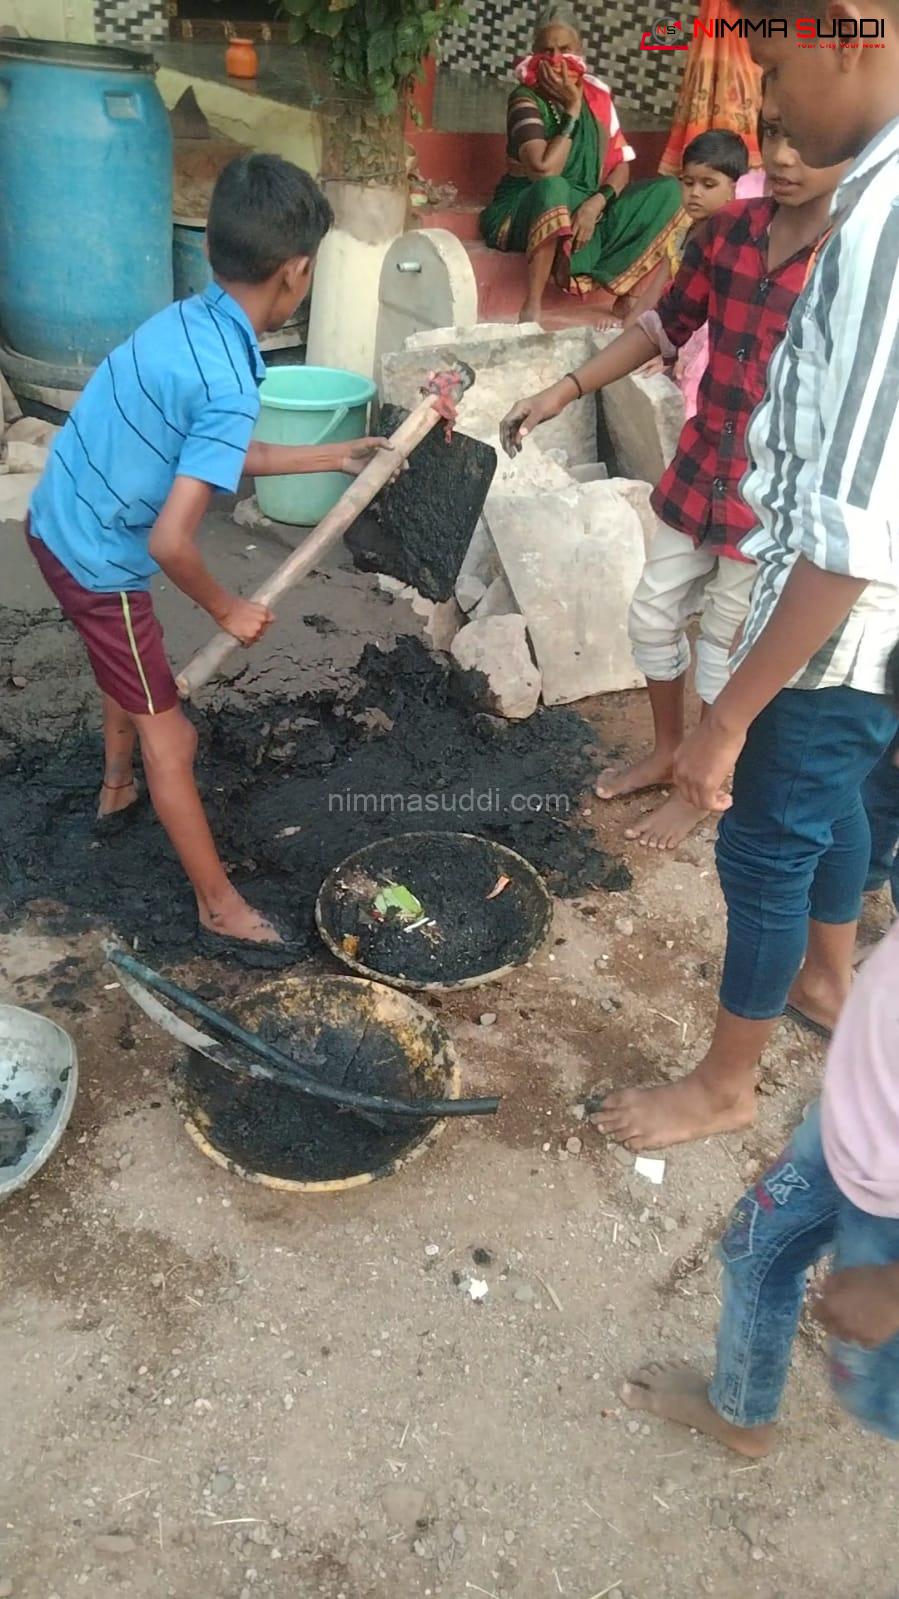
631	235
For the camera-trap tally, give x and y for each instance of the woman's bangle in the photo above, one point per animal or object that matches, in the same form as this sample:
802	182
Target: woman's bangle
567	126
577	383
608	193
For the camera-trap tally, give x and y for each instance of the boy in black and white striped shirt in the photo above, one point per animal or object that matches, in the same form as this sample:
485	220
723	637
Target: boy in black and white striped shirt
802	720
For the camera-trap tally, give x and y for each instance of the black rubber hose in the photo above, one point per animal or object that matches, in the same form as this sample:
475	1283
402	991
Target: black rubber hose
287	1072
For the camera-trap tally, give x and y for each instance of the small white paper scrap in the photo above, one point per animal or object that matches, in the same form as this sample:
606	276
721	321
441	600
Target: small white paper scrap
654	1170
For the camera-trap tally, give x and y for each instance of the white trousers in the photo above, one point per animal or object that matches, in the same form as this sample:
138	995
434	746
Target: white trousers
678	581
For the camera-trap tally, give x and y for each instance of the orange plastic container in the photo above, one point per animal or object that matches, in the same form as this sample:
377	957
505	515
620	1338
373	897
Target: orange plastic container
241	60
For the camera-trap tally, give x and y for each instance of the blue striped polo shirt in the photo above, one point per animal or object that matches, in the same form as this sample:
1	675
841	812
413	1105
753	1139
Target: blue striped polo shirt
178	399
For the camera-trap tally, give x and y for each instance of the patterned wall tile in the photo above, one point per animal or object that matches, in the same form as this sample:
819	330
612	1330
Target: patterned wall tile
644	82
130	21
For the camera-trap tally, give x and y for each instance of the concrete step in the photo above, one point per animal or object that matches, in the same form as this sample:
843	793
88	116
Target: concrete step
502	285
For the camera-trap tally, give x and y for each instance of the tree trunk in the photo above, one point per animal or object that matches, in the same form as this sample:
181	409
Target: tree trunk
364	176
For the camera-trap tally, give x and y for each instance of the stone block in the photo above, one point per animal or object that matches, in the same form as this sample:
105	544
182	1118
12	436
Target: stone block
22	456
498	600
509	362
476	333
644	417
530	472
573	560
481	563
30	430
497	647
247	514
16	489
469	592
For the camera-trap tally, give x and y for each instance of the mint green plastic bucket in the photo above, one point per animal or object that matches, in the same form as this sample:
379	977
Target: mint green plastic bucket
309	405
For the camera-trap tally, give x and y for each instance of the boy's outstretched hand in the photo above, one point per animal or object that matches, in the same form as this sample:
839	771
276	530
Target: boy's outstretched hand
704	765
527	414
358	454
246	620
861	1305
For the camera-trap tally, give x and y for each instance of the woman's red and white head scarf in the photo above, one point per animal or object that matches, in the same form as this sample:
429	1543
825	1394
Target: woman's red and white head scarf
598	98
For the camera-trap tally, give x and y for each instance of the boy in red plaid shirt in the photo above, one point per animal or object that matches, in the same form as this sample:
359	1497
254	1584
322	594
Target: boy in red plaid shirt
741	273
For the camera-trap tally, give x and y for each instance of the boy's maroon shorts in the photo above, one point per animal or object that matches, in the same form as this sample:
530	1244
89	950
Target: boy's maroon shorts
121	634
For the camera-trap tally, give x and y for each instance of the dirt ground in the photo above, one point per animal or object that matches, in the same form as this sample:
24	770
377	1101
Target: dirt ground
210	1390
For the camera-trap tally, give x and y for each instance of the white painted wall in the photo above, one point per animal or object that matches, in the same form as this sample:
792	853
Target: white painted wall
50	19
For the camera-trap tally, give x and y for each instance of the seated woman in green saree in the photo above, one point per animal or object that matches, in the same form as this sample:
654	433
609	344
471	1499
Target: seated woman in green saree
565	200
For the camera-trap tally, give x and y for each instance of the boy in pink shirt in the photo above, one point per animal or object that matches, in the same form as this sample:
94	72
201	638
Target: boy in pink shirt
833	1191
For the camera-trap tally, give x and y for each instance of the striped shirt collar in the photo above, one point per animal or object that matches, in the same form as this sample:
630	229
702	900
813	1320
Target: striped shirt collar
220	301
883	147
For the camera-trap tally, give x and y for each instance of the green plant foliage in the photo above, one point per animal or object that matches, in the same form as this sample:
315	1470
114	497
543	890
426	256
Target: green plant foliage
377	47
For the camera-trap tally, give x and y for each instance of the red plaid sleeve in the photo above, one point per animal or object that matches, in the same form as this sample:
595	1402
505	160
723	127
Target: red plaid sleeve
725	280
684	306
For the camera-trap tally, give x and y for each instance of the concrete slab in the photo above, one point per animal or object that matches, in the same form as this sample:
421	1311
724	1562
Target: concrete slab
573	560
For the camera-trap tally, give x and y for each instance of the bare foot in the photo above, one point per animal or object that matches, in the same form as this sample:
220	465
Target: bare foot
676	1392
668	826
531	311
651	772
654	1118
234	918
116	797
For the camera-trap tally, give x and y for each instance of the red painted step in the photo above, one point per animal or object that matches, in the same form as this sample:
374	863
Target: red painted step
502	285
502	279
462	219
472	162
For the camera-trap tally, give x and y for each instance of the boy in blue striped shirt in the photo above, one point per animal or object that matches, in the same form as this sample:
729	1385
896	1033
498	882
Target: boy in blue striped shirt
165	421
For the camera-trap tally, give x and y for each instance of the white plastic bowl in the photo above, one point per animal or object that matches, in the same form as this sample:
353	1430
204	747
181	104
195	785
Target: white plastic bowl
39	1072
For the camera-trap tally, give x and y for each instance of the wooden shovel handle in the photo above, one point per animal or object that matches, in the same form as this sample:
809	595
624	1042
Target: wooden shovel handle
353	501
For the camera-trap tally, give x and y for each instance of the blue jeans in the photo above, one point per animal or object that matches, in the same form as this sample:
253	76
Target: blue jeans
793	1216
881	797
796	841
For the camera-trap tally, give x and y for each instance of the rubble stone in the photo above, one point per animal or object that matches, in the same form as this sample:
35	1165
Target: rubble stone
441	620
469	591
16	489
498	647
481	559
498	600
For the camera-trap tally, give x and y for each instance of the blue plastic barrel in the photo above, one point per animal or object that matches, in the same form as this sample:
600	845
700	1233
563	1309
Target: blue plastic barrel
86	214
190	265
